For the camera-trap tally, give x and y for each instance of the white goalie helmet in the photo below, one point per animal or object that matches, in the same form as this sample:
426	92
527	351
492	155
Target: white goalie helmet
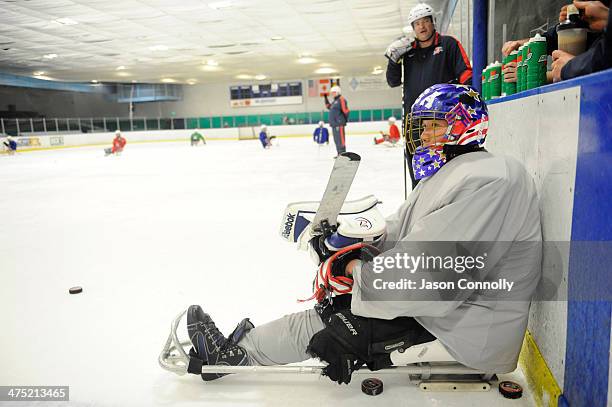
335	89
419	11
263	127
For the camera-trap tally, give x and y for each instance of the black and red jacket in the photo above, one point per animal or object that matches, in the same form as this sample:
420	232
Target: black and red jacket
443	62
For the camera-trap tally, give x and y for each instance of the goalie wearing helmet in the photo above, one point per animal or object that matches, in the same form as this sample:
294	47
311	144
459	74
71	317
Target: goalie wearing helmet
429	59
467	195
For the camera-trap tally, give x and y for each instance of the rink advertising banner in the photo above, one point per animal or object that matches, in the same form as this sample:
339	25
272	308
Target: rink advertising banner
367	83
454	271
256	102
56	140
28	142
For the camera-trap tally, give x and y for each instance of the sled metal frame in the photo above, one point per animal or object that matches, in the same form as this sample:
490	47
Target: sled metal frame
435	376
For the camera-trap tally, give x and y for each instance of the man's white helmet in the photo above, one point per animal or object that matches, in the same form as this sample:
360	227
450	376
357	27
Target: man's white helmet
419	11
335	89
321	124
392	119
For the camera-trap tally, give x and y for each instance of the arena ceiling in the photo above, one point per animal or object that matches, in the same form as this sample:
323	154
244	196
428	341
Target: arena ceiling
198	41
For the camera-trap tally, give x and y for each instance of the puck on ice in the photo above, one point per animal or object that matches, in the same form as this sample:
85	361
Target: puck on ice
372	386
510	390
75	290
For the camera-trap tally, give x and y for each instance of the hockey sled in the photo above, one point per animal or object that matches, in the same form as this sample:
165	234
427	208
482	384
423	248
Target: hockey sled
428	365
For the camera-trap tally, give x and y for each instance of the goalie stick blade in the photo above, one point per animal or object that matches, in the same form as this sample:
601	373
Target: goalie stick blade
340	180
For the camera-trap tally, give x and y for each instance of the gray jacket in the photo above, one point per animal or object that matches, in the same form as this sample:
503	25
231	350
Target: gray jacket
475	197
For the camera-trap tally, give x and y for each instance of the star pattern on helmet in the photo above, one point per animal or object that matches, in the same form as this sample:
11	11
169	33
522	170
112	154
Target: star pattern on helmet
473	94
472	112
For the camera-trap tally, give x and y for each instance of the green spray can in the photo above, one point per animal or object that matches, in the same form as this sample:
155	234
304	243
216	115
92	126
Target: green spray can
495	80
508	88
536	62
525	53
486	86
519	69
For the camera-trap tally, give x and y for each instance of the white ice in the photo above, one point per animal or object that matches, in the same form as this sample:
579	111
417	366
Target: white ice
147	234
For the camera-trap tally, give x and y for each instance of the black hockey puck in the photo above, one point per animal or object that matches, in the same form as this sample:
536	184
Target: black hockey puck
75	290
372	386
510	390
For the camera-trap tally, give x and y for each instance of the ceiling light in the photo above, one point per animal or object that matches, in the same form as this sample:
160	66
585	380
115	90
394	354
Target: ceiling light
209	68
120	68
192	81
50	56
168	80
260	77
94	81
66	21
158	48
134	81
39	73
306	60
212	62
244	76
219	5
325	70
277	38
377	70
123	74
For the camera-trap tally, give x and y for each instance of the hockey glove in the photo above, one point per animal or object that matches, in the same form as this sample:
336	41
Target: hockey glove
397	49
331	278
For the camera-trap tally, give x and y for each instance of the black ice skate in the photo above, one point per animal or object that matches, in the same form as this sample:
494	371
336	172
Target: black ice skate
210	347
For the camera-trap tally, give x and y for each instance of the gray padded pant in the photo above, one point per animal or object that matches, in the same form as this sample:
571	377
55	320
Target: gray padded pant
282	341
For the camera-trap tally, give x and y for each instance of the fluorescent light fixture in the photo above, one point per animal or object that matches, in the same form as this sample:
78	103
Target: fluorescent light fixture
94	81
168	80
158	48
50	56
120	68
209	68
123	74
192	81
244	76
306	60
325	70
66	21
39	73
277	38
219	5
212	62
260	77
377	70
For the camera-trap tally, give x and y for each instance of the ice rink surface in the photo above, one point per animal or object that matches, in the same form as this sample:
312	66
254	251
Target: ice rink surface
147	234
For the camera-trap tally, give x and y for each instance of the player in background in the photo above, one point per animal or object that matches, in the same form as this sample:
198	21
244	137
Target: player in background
118	145
321	134
468	195
264	137
196	137
338	116
10	145
392	137
429	59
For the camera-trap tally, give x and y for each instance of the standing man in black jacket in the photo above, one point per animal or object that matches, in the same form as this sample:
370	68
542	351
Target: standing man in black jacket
338	116
428	60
